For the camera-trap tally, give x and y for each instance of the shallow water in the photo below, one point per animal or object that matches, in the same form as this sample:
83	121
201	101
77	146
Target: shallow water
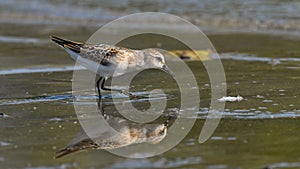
37	116
260	130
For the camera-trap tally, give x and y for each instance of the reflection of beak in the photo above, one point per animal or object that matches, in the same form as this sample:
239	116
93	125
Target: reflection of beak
168	70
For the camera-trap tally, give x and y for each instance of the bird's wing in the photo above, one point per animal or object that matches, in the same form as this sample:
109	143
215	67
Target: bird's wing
100	53
67	44
82	145
102	142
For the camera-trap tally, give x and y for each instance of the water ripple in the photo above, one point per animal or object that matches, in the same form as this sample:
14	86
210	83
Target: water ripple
68	98
250	114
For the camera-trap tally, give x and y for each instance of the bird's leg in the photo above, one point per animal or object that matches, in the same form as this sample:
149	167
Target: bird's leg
103	87
98	87
100	104
118	90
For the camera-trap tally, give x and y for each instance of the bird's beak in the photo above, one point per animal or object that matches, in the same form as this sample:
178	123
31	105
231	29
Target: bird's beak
168	70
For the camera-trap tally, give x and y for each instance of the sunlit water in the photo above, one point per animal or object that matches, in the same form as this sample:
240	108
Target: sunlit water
37	116
261	129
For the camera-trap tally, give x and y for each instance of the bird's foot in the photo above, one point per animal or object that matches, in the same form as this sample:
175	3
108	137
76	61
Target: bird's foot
131	96
126	92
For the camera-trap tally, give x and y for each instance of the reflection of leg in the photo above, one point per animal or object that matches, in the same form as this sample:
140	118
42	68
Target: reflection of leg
170	119
101	109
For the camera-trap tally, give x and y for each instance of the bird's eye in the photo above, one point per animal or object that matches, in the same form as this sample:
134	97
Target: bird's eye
162	132
159	59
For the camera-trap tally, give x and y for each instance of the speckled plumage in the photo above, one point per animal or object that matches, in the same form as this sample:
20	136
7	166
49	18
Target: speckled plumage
110	61
127	133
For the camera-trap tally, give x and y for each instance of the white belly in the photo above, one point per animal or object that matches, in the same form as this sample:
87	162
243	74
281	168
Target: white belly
104	71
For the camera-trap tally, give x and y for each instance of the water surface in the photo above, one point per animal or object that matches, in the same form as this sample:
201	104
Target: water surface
37	116
262	129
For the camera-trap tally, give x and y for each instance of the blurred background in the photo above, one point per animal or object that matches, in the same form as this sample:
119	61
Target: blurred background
258	42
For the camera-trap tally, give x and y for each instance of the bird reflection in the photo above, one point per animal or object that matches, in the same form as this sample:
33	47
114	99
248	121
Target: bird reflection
128	133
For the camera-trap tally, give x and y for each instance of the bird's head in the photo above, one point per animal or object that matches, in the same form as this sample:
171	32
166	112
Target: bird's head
158	134
156	59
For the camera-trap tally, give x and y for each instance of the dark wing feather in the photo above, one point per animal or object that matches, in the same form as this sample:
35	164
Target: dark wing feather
101	53
82	145
74	46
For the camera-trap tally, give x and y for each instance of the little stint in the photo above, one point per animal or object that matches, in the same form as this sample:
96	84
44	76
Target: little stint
111	61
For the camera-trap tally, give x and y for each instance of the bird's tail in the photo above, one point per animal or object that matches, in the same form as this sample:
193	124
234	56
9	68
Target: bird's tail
74	46
65	151
82	145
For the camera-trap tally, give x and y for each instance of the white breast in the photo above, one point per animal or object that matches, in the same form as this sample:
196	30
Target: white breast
104	71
